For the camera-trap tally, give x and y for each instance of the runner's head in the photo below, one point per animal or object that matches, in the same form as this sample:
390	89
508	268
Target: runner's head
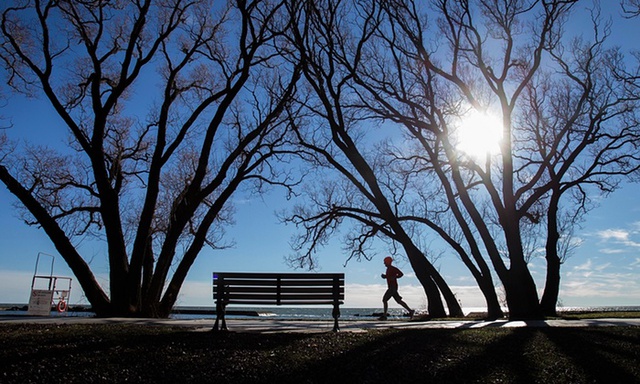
388	260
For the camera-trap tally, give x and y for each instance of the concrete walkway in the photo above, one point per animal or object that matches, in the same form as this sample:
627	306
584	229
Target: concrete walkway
268	326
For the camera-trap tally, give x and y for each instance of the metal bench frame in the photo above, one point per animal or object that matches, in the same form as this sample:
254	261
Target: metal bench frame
277	289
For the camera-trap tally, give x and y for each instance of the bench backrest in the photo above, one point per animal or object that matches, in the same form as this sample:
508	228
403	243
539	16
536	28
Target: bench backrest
278	288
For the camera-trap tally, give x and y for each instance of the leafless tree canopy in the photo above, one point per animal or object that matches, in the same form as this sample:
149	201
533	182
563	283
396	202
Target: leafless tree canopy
170	106
569	127
631	8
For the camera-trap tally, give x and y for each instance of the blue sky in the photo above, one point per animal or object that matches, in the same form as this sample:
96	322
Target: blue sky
604	270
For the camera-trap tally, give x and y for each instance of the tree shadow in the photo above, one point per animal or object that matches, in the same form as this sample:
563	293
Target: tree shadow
496	355
487	355
426	356
604	355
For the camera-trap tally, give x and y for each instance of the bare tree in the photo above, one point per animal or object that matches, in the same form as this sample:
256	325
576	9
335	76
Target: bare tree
568	121
631	8
581	126
595	131
150	175
333	137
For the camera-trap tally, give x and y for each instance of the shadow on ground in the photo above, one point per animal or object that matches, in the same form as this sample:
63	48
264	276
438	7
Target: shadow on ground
133	353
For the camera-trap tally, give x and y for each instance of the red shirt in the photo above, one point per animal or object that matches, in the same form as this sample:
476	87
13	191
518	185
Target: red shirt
393	274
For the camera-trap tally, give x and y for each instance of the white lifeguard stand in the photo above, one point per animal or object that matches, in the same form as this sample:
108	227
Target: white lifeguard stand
48	291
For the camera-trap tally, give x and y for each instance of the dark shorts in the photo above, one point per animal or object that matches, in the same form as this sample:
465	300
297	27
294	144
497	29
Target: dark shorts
391	292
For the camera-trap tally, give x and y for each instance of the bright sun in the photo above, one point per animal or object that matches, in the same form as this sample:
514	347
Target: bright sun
479	135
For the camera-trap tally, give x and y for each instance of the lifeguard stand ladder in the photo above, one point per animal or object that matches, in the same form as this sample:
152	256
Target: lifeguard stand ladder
45	292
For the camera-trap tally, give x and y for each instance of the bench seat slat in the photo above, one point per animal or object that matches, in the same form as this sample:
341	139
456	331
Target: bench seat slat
233	297
283	290
288	302
274	280
259	275
273	283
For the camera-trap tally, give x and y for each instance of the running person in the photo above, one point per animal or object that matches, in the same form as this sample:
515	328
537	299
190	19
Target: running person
392	275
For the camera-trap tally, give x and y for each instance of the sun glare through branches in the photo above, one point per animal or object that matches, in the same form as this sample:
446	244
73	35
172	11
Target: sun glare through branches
479	134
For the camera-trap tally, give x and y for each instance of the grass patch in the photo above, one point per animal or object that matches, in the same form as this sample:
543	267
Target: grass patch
148	354
598	315
568	315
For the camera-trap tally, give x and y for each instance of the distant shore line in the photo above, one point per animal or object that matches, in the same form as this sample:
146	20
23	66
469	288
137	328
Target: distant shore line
205	311
87	308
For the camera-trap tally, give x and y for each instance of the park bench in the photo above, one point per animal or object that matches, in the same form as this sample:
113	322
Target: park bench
277	289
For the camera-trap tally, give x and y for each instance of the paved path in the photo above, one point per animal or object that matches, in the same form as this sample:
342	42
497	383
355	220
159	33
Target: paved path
265	326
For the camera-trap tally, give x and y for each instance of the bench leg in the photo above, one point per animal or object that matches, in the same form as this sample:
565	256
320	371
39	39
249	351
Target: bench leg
220	319
215	325
336	315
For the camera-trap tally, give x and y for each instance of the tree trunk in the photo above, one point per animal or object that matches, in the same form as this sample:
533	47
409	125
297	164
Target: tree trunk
520	288
449	297
494	309
522	297
552	283
422	267
482	275
552	286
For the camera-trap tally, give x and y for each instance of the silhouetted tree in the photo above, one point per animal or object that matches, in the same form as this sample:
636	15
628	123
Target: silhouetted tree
631	8
568	123
568	120
331	137
170	106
